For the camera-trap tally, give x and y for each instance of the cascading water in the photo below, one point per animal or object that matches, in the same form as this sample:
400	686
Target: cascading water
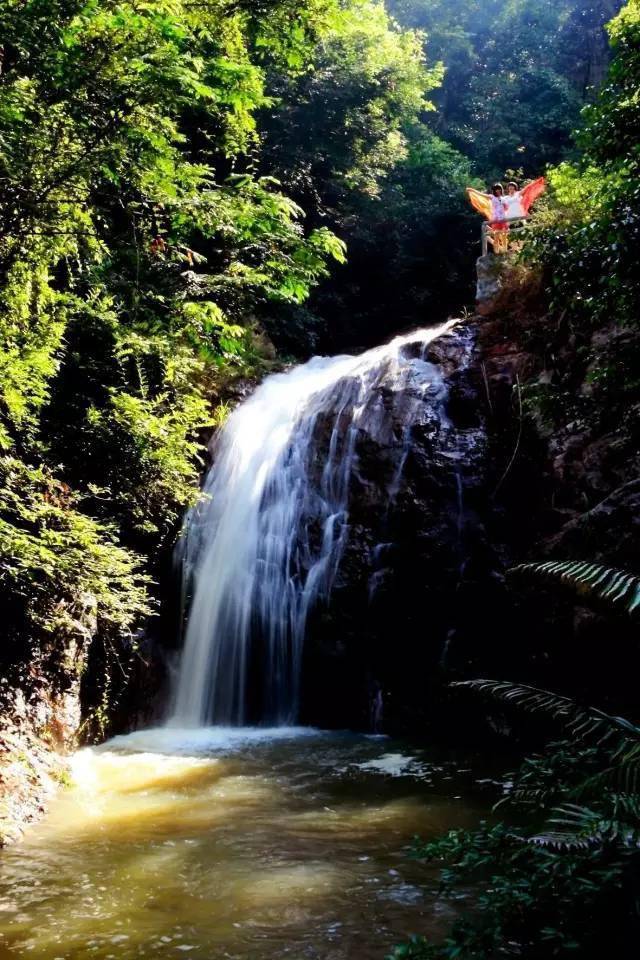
265	544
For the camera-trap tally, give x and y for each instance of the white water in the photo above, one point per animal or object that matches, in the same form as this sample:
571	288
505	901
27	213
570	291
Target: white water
175	742
265	544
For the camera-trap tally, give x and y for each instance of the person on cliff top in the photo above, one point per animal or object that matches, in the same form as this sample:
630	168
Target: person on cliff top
498	222
513	202
499	209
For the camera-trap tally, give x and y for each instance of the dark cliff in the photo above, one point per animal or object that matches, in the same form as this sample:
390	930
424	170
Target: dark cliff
561	423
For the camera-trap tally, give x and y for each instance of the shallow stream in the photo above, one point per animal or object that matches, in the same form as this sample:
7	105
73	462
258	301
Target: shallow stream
239	844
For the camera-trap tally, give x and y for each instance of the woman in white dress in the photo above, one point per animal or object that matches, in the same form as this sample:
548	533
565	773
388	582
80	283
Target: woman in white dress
513	203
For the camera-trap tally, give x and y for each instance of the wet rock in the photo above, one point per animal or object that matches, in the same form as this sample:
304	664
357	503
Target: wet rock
30	774
411	583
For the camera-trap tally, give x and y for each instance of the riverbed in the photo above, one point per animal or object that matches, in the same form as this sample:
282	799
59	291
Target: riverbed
235	844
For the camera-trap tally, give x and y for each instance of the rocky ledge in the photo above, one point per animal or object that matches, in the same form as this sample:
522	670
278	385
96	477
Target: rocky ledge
40	718
30	773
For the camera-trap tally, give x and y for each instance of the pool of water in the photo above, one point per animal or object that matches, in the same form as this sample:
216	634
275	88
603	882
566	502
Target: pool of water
234	844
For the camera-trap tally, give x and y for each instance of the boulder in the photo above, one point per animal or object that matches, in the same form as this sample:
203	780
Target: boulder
419	570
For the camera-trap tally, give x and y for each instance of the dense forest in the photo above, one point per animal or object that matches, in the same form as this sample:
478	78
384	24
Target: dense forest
195	195
177	183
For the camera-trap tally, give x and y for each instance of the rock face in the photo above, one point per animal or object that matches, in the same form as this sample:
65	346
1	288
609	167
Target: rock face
419	568
534	458
558	401
41	714
553	383
360	516
489	273
30	773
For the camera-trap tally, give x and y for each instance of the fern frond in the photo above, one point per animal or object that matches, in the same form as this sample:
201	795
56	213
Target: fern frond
619	588
558	840
528	795
572	827
623	775
583	723
575	827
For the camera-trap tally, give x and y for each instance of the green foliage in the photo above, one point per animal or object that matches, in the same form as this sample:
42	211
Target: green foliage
533	900
590	580
559	884
516	74
588	237
138	242
342	125
589	727
410	246
586	724
53	556
556	889
362	150
352	139
144	234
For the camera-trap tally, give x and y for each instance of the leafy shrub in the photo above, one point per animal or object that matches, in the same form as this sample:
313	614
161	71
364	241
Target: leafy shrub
567	883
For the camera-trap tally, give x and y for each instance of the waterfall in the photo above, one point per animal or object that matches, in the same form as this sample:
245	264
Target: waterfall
265	543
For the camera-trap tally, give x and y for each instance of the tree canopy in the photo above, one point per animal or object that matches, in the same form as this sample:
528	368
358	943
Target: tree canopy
144	226
182	183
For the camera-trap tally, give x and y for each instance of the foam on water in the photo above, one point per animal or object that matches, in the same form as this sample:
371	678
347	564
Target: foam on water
174	741
397	765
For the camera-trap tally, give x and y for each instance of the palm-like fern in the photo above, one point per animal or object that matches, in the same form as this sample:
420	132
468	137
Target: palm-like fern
574	825
619	588
580	868
622	775
585	723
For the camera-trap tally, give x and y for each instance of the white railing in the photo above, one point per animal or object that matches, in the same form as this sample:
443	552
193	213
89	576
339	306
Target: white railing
517	224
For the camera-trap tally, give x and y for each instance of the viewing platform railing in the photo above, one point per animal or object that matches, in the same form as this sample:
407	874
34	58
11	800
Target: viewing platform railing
518	224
